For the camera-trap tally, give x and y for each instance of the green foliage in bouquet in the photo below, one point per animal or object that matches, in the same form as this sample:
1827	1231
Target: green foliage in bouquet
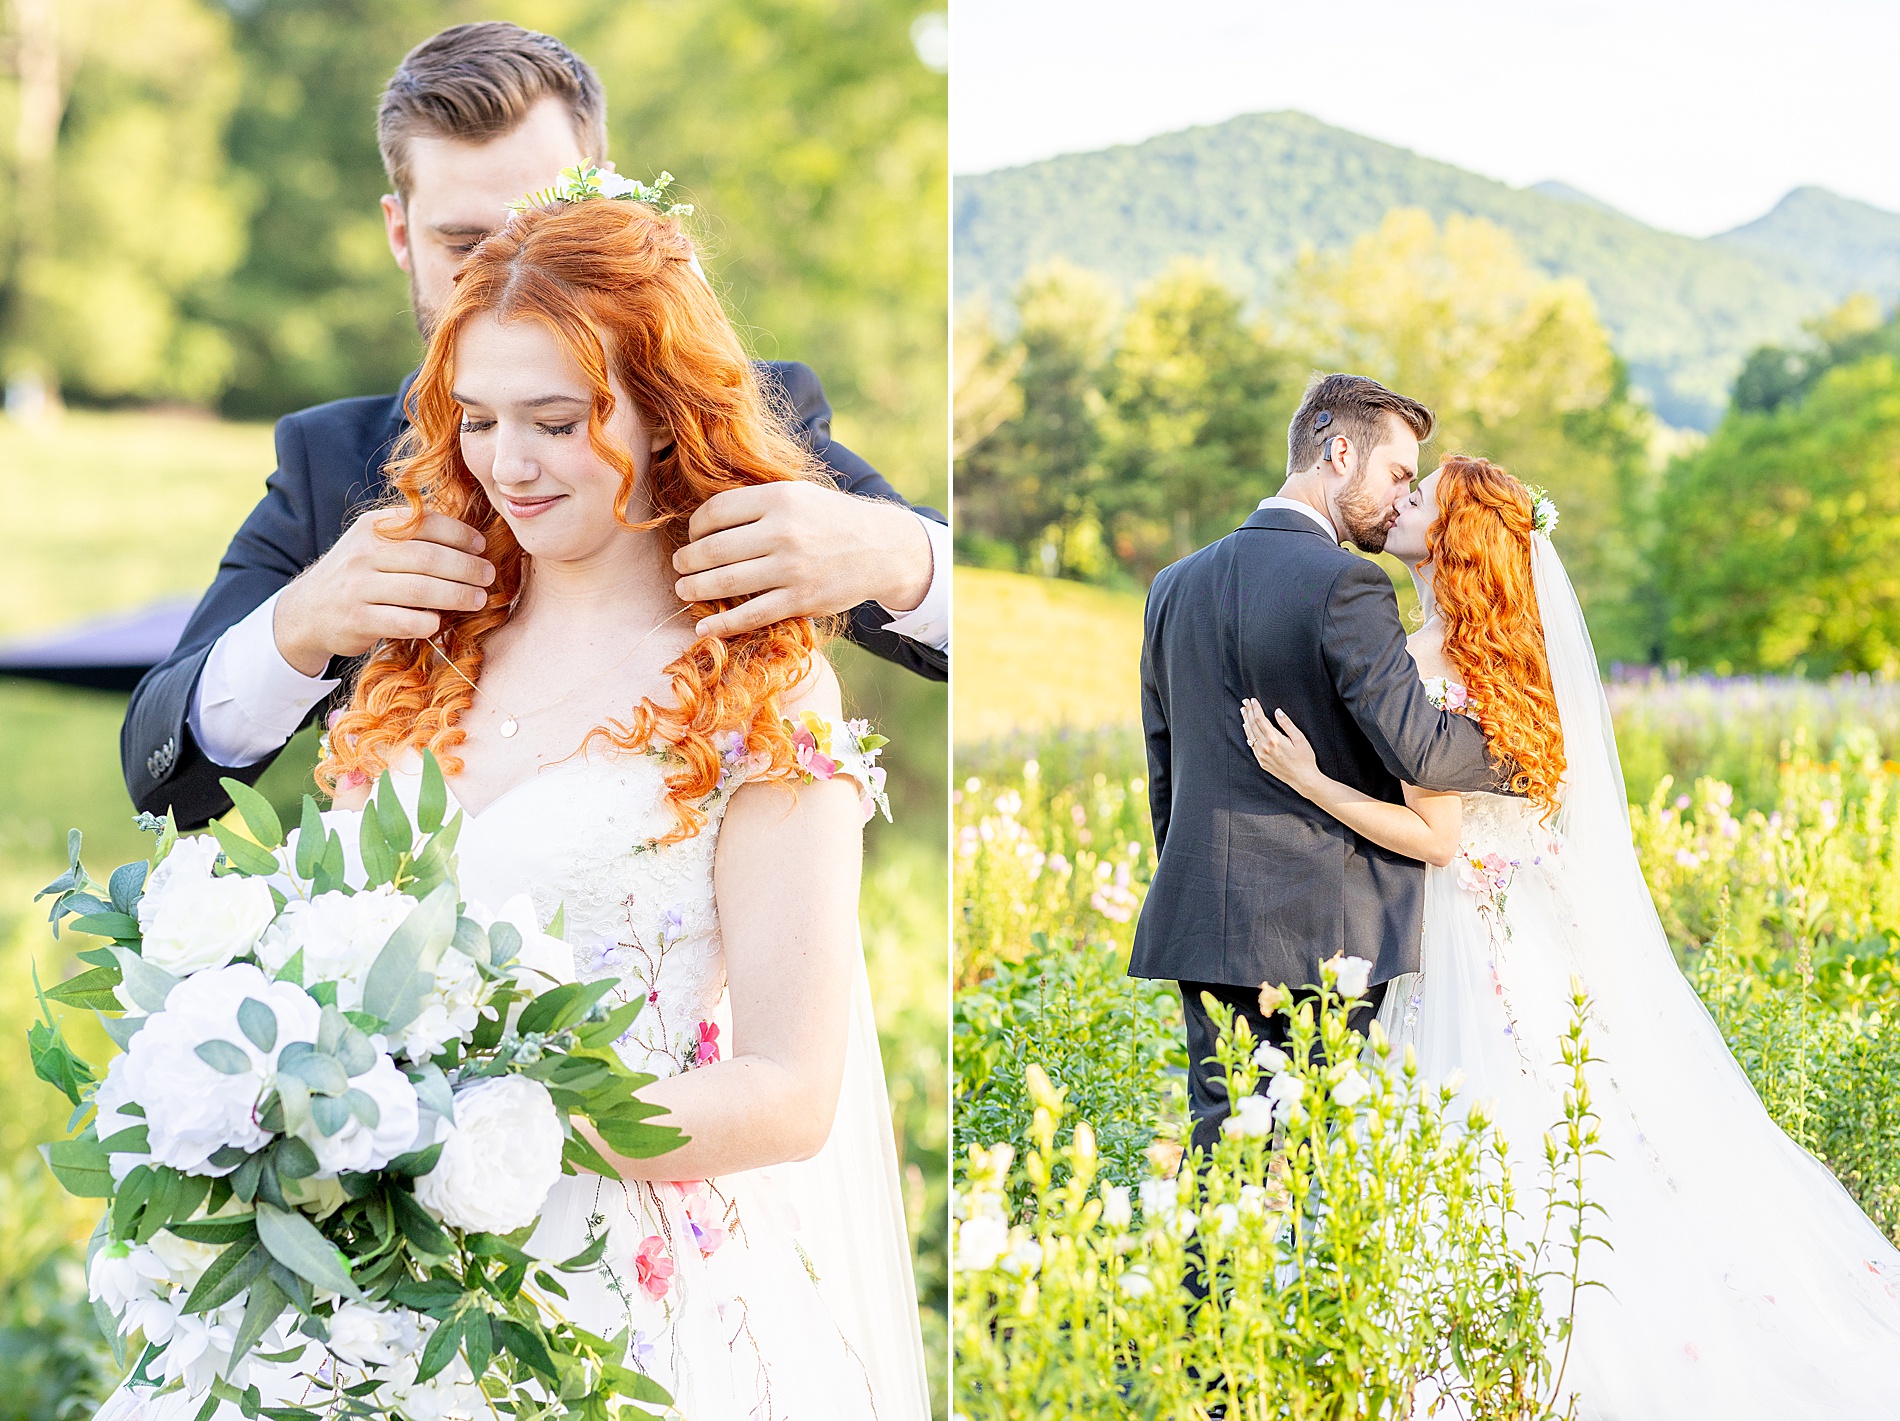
1353	1249
295	1242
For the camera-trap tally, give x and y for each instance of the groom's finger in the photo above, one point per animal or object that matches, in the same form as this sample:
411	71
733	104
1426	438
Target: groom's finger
774	606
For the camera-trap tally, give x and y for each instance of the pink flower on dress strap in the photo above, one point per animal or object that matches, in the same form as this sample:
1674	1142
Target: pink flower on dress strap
708	1051
811	756
653	1267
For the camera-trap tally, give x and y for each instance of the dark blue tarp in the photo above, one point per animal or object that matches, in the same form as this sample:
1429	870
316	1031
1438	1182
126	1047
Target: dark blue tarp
109	653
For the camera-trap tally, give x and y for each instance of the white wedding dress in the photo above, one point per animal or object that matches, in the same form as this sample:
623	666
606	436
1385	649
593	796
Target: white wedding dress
781	1294
1742	1281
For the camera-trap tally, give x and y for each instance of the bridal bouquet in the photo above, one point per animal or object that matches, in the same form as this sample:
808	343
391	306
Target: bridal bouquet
341	1099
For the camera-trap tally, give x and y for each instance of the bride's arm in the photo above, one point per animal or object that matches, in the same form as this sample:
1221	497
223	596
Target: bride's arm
786	879
1425	827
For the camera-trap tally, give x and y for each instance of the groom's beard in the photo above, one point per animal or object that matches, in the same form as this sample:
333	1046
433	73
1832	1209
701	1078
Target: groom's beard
1367	520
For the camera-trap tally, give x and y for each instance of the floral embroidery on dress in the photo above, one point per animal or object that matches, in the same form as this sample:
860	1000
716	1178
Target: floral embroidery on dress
653	1267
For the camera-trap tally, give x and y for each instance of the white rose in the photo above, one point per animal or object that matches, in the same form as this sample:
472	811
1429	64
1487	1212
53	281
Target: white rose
339	935
1117	1212
364	1336
1352	1088
1252	1116
361	1147
185	1259
192	1109
1348	976
981	1241
499	1159
191	921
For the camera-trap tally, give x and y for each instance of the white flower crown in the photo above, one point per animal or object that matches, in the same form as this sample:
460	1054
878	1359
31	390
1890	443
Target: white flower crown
1543	510
586	183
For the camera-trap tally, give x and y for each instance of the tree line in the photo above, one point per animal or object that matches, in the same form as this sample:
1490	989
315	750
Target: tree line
1100	443
188	203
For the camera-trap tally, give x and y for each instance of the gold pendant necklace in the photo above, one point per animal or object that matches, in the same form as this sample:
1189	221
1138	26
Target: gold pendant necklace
511	722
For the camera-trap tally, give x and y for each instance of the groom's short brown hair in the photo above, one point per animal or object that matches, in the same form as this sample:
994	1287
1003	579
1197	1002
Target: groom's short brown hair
477	82
1353	405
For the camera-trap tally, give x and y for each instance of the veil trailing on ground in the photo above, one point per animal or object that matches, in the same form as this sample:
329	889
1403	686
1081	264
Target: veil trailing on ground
1740	1277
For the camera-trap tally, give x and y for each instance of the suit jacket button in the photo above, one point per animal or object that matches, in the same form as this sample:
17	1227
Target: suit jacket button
159	763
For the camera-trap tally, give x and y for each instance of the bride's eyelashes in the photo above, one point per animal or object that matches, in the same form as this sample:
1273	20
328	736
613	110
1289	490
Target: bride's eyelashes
559	431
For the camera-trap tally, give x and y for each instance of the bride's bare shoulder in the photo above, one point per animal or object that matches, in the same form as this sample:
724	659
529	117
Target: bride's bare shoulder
1427	646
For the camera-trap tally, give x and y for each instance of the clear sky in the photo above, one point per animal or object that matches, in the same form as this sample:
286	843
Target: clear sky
1692	115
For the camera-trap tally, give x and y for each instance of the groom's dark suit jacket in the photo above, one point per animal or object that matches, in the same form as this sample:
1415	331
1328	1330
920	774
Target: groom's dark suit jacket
329	468
1256	884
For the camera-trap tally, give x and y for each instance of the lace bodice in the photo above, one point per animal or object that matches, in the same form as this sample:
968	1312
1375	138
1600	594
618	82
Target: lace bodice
582	839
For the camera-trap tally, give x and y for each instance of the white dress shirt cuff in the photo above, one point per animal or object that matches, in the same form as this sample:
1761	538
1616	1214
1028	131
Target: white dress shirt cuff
249	700
928	623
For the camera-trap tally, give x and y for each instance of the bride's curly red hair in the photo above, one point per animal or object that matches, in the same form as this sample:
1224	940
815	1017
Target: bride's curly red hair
1481	581
616	284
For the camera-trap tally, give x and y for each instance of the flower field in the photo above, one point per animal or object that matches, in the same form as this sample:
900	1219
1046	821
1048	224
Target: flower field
1767	816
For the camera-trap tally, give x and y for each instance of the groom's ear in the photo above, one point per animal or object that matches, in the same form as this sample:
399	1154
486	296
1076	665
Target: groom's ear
396	229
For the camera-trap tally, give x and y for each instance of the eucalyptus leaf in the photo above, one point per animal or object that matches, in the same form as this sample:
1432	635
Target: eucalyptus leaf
432	1089
258	1023
323	1074
146	985
244	856
330	1112
504	944
404	971
223	1057
364	1107
309	839
121	1028
126	884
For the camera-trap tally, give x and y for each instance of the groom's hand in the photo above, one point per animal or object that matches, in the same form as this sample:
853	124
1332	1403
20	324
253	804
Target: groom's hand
370	587
798	549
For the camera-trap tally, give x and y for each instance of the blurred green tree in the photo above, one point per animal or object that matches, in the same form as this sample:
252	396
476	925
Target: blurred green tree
1198	403
1027	489
1780	541
123	232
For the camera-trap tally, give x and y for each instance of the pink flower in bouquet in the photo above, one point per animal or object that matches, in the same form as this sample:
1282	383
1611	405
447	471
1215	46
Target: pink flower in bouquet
653	1267
708	1044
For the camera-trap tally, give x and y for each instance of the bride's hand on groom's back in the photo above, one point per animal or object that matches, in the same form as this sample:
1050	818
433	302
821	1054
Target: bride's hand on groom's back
371	587
1282	751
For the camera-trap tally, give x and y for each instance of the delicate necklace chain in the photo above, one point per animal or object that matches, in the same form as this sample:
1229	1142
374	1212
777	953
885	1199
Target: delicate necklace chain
511	721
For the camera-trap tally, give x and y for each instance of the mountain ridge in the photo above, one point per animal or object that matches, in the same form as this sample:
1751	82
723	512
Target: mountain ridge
1248	194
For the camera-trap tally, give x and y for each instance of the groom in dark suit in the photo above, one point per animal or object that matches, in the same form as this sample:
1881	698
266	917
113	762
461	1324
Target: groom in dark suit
474	118
1257	885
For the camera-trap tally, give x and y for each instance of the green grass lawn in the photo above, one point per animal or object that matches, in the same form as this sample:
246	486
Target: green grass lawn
111	511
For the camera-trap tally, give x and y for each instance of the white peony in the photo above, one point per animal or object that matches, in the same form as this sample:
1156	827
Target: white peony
499	1159
111	1095
1349	976
191	921
192	1110
339	935
360	1147
365	1336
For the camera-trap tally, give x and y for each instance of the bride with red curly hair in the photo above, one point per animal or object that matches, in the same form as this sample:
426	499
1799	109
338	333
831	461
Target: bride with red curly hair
1740	1279
691	805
